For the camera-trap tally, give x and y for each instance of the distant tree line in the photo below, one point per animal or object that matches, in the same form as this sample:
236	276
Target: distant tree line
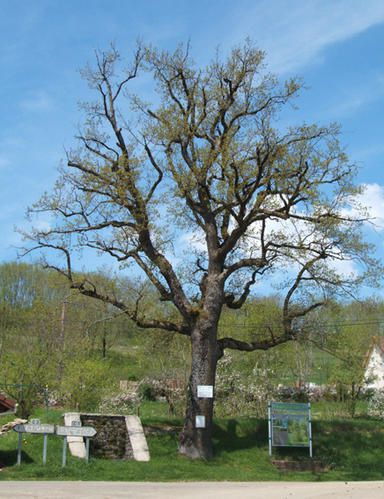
52	336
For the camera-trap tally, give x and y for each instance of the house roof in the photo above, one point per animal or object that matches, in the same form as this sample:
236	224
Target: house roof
7	403
380	343
377	341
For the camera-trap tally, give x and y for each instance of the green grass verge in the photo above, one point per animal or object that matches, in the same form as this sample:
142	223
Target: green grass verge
353	448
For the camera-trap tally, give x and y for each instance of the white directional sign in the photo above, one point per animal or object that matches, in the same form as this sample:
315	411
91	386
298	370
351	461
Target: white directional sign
75	431
34	428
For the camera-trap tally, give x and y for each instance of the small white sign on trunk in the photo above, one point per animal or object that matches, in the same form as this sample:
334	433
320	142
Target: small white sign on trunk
205	391
200	421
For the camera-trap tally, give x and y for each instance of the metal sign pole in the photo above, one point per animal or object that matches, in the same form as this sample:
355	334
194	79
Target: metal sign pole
64	460
87	449
34	427
19	449
269	429
75	431
45	448
310	430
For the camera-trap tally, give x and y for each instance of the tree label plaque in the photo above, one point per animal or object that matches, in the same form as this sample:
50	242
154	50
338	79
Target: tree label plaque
205	391
200	421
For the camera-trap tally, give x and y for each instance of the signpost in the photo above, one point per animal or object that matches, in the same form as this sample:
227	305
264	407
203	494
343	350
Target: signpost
289	425
35	428
75	430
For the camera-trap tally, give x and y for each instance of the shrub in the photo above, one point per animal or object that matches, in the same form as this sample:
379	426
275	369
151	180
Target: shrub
239	394
170	389
83	383
120	403
148	392
376	405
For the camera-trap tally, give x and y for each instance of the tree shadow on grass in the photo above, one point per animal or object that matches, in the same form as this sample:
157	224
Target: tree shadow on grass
353	447
9	458
233	435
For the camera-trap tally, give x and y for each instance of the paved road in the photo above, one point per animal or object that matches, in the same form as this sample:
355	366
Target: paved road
191	490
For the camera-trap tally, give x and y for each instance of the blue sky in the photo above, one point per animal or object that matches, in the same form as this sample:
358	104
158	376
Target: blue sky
336	46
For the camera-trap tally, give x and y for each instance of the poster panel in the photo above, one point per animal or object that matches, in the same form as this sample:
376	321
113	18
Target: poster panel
290	424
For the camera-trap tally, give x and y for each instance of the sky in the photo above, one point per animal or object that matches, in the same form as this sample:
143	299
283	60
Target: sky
335	46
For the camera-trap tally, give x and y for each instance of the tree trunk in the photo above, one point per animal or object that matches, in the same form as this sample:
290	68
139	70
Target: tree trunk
195	442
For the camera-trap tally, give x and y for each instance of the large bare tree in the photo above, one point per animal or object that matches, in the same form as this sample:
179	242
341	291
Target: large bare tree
207	161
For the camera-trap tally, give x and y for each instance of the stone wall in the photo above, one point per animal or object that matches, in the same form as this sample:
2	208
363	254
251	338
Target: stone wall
112	439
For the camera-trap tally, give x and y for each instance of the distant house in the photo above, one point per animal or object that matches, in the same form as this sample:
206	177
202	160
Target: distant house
374	370
7	405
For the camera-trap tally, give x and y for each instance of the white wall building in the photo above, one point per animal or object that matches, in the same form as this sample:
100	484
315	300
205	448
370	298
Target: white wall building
374	371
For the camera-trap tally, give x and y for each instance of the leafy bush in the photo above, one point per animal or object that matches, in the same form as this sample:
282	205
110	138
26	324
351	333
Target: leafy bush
240	394
376	405
306	393
120	403
84	382
170	389
148	392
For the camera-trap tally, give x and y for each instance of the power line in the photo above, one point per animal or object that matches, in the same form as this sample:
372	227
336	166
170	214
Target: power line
321	325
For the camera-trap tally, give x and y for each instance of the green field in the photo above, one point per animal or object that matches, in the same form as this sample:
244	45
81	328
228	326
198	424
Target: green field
353	450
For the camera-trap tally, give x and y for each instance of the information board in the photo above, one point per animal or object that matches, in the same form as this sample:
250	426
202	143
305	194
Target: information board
289	425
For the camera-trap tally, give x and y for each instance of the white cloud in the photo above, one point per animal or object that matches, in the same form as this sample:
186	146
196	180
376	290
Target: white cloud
367	153
347	268
295	231
299	232
295	33
190	241
38	101
42	224
4	162
372	200
356	98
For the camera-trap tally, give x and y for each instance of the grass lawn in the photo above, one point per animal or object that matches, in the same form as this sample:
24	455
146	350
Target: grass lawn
354	449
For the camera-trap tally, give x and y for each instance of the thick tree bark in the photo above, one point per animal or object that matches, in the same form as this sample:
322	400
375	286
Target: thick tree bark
197	442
